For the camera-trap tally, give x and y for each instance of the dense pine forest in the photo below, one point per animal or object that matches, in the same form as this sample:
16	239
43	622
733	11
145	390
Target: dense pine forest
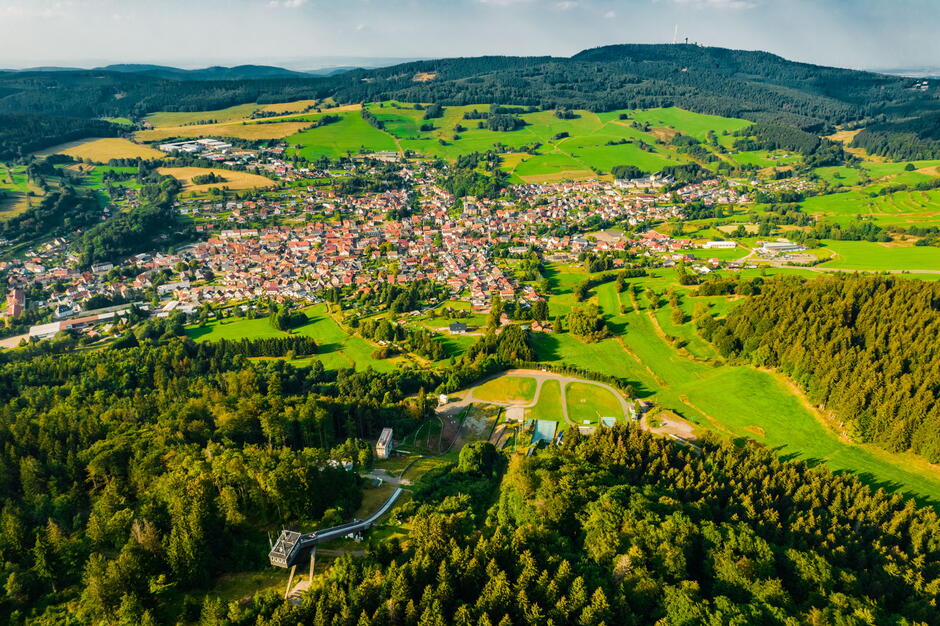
625	528
126	474
864	347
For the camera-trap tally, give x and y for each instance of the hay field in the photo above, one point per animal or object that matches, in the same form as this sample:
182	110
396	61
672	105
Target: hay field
233	180
228	129
289	107
179	118
103	150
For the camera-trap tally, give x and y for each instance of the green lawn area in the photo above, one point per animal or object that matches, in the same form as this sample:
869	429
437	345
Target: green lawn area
722	255
589	403
235	329
694	124
519	389
548	406
351	134
14	190
763	158
865	255
570	148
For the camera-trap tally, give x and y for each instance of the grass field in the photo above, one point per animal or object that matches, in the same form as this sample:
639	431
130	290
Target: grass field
233	180
230	114
694	124
722	255
734	401
515	389
103	150
348	136
335	349
14	191
235	329
238	129
548	406
588	403
569	149
864	255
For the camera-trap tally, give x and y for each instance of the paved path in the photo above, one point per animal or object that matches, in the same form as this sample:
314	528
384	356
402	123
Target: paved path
540	378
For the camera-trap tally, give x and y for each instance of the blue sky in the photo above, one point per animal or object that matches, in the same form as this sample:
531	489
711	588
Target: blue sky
849	33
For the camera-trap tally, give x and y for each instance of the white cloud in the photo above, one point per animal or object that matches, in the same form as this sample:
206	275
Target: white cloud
287	4
718	4
610	15
566	5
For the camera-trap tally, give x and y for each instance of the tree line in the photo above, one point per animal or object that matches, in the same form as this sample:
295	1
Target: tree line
862	346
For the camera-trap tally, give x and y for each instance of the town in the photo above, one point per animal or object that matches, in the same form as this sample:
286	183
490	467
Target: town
312	239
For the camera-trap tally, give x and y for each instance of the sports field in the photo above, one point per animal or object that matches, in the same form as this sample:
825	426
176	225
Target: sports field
588	403
548	406
103	150
233	180
507	389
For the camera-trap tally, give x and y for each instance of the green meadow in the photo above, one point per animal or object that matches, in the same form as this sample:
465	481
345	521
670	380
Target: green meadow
566	148
350	135
335	348
14	191
865	255
694	124
734	401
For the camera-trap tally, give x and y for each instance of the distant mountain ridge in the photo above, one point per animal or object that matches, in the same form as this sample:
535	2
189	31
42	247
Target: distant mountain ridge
753	85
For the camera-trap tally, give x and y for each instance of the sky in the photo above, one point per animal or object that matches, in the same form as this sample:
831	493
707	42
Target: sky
306	34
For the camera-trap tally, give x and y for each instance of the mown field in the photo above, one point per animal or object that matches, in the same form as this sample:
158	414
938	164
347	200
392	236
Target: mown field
864	255
103	150
506	389
233	180
548	406
242	130
588	403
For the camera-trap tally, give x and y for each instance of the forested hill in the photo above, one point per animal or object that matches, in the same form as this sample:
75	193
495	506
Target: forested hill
863	346
753	85
708	80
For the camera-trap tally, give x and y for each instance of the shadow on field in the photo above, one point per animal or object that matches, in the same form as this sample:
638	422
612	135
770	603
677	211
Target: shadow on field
617	329
199	331
327	348
866	478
